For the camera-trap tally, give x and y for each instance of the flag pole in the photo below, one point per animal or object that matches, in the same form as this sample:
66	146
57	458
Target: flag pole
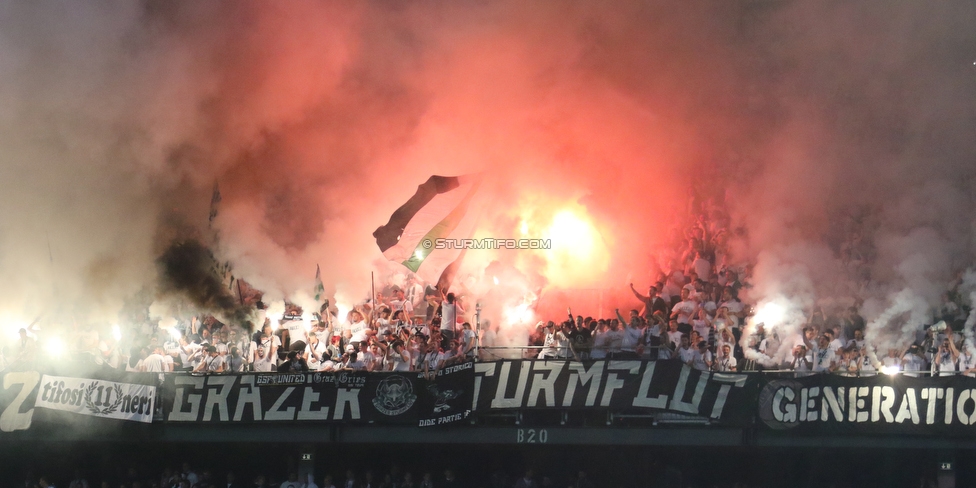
372	298
477	328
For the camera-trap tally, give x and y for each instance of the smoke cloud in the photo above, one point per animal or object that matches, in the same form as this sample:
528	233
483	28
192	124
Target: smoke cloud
811	122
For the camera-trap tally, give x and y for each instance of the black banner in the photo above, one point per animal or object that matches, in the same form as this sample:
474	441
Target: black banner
616	385
19	392
880	404
345	396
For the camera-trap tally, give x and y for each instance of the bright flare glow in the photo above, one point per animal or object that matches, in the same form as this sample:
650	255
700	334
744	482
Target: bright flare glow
495	279
173	331
13	331
307	320
890	369
55	347
276	310
770	314
116	332
521	314
576	254
12	326
343	310
572	234
418	254
524	228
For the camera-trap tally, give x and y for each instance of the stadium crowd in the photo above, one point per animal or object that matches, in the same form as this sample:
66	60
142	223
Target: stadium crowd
693	313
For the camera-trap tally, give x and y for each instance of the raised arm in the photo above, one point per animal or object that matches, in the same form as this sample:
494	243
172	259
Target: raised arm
952	344
625	323
638	295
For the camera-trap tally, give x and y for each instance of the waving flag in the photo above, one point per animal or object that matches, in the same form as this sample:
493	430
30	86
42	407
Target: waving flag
319	286
441	208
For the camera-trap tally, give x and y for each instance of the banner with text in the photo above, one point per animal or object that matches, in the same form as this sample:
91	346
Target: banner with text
616	385
106	399
346	396
880	404
54	396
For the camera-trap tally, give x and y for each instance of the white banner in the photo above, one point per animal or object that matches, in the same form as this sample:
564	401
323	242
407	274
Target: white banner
98	398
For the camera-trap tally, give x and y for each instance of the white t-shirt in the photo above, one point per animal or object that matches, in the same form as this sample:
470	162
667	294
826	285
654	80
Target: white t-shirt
191	354
327	365
726	364
967	360
685	310
630	339
467	335
599	350
266	363
154	363
674	337
355	365
404	305
213	363
449	315
702	327
383	325
802	366
733	305
823	359
699	360
669	290
911	362
433	359
401	363
703	268
614	339
233	364
944	364
687	355
131	369
296	330
322	333
358	331
867	366
562	345
488	338
108	354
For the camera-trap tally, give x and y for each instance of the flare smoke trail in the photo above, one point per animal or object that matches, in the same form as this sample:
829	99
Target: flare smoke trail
317	118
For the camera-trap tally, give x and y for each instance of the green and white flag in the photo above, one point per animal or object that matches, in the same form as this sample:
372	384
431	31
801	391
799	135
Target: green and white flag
444	207
319	286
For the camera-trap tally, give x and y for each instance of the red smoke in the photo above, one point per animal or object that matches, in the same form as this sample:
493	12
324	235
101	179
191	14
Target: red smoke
319	118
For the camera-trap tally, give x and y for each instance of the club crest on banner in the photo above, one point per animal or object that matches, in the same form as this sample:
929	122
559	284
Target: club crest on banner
394	395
